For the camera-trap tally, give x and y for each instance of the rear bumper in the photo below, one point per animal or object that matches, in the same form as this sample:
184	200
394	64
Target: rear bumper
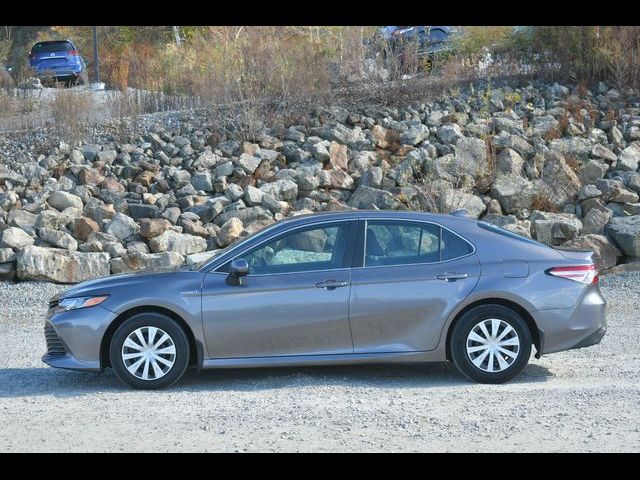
580	326
63	71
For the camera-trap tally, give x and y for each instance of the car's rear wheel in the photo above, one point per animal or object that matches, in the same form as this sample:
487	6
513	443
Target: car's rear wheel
490	344
149	351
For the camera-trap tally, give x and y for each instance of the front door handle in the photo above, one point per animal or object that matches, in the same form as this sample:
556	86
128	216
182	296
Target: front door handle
451	276
331	284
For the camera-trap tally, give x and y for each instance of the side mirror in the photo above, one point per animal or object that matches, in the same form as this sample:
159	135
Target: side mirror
238	269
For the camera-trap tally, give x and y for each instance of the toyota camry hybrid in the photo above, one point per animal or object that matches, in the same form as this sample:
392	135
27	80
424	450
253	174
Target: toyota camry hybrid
347	287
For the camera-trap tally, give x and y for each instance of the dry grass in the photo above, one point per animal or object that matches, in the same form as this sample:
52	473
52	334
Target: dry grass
544	203
573	163
250	76
70	112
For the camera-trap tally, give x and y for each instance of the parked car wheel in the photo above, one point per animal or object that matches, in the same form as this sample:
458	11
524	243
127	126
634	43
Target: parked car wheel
149	351
491	344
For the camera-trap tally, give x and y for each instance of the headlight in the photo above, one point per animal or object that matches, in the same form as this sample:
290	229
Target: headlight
67	304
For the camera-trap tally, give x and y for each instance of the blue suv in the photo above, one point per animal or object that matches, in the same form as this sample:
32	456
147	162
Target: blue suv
58	61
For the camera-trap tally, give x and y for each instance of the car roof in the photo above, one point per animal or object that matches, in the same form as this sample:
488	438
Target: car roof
46	42
51	42
382	214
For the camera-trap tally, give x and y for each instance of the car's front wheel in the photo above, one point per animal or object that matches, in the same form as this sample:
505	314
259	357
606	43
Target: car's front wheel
491	344
149	351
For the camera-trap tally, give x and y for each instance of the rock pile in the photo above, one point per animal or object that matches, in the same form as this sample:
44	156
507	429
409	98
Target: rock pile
545	161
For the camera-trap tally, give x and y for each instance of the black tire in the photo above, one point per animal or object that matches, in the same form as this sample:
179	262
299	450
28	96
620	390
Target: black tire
171	328
471	319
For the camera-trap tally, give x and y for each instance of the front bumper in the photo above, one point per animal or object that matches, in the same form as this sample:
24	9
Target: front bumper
75	338
582	325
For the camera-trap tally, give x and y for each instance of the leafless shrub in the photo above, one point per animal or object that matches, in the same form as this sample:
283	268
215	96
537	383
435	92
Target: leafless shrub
544	203
70	112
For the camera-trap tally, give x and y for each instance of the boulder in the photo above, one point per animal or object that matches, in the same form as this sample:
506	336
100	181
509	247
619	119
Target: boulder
574	147
83	227
471	159
614	191
625	231
230	232
253	196
600	151
202	181
58	238
181	243
53	219
22	219
510	161
449	134
366	197
134	261
336	178
122	226
249	163
60	266
386	138
629	158
514	192
543	124
605	253
16	238
595	220
142	210
371	178
281	189
61	200
247	215
592	171
554	228
452	199
562	182
415	134
338	155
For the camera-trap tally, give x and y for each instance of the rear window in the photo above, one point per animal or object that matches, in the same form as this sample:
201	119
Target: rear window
437	35
507	233
452	246
61	46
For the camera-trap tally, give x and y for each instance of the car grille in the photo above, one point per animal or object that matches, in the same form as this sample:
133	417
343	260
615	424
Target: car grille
55	346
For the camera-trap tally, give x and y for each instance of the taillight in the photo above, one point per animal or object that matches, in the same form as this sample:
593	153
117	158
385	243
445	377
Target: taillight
73	52
580	273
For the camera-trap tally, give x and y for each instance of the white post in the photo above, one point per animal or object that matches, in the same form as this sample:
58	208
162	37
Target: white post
176	33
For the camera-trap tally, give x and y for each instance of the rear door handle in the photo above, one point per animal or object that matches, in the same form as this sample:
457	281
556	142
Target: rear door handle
331	284
451	276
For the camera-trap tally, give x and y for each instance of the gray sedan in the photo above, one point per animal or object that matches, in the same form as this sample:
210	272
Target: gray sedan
338	288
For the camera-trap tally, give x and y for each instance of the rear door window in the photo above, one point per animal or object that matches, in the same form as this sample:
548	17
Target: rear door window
401	243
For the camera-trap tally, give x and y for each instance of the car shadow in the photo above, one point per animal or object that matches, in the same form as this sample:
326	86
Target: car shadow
27	382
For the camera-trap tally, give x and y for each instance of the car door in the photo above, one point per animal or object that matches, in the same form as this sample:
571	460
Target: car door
409	277
294	300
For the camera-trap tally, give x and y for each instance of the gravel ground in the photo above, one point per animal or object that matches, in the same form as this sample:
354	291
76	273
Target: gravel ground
581	400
